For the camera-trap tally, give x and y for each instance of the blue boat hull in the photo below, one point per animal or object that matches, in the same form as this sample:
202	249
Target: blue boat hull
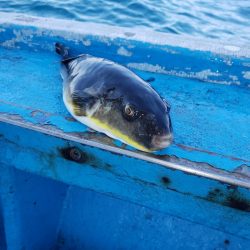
192	195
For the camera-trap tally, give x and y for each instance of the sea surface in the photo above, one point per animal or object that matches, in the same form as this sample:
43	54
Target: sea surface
226	20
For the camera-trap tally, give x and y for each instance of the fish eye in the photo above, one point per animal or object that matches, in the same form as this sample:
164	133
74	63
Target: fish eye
129	112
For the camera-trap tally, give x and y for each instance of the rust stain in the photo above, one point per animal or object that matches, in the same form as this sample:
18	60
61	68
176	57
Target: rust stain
77	155
232	198
74	154
165	180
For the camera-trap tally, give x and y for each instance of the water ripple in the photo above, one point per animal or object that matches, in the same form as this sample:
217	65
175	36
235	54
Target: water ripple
224	19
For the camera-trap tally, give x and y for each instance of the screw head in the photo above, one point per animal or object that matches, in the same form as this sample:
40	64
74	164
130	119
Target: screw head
75	154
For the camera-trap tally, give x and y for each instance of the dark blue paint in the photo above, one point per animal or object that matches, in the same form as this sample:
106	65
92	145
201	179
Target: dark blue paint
92	220
2	233
34	209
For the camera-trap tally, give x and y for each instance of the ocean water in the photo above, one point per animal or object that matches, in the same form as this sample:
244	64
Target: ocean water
227	20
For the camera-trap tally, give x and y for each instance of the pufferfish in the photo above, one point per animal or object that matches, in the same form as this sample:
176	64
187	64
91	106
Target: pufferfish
111	99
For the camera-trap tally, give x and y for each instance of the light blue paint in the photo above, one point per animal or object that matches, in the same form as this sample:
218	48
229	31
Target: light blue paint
201	120
92	220
184	196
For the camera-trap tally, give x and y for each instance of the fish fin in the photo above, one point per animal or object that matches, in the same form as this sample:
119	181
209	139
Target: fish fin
69	59
62	50
79	111
82	103
65	53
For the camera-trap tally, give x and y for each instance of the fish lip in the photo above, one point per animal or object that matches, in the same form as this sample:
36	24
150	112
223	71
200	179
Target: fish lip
161	141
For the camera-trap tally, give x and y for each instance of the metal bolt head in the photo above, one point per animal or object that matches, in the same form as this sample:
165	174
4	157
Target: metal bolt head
75	154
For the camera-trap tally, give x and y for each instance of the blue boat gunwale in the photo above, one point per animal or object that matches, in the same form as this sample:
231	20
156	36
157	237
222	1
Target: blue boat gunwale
145	183
223	176
141	34
155	38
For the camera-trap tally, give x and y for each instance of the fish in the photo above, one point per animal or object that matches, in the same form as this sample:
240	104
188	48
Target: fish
111	99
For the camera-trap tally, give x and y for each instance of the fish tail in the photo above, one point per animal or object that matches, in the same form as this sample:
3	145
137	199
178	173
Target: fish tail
62	50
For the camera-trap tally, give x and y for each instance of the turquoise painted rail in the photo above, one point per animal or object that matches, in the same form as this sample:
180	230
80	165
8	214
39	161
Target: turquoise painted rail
202	179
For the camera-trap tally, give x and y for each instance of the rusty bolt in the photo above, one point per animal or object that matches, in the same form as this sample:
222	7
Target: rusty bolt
75	154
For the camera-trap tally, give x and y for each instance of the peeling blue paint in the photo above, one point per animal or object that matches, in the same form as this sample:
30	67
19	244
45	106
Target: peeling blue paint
204	114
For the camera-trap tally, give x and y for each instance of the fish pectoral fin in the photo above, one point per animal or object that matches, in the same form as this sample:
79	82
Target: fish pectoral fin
82	103
79	111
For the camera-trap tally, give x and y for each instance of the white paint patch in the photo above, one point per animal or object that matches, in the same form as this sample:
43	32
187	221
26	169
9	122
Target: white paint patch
24	36
202	75
246	74
205	74
246	64
232	48
124	52
228	62
148	67
170	51
105	40
131	46
86	42
235	79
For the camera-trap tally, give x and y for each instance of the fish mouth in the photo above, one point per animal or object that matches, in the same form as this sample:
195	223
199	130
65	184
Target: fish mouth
161	141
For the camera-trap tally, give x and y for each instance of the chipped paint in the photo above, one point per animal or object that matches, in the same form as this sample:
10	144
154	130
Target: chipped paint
232	48
124	52
86	42
245	64
148	67
235	79
205	75
24	36
28	35
243	170
246	74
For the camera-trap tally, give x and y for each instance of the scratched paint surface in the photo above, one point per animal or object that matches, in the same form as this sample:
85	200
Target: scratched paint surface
211	121
53	215
172	192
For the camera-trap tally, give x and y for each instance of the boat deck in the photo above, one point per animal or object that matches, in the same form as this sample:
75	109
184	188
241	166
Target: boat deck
210	121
